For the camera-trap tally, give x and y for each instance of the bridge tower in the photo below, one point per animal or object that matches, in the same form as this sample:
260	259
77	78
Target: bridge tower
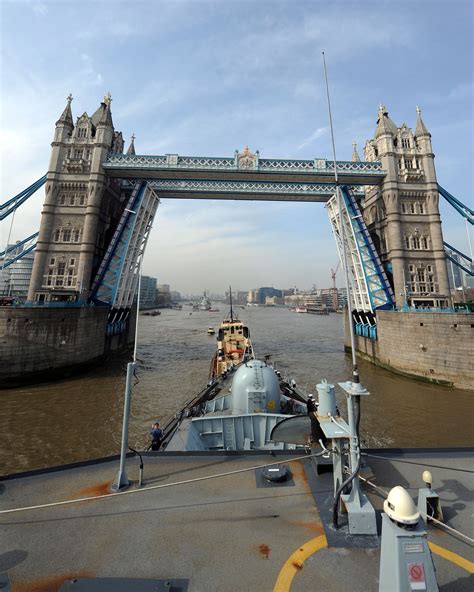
81	207
403	215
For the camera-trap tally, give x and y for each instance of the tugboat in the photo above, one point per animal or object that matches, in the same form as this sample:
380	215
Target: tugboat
233	345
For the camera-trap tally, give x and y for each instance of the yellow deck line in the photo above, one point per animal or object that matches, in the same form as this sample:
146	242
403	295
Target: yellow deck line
295	562
453	557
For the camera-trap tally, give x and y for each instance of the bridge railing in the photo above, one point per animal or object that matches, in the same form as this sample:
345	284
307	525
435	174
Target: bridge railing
204	163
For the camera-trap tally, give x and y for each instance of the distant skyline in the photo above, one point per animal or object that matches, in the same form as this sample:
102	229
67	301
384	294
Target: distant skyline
209	77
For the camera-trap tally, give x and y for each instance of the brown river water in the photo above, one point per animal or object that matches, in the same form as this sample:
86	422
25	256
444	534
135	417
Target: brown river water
80	418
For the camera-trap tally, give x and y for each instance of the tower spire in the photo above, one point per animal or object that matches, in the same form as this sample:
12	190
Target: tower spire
420	126
131	148
384	123
66	115
355	154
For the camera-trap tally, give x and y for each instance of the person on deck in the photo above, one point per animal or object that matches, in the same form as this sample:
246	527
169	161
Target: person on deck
156	434
316	431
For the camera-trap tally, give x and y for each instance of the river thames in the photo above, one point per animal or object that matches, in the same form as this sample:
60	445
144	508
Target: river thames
81	418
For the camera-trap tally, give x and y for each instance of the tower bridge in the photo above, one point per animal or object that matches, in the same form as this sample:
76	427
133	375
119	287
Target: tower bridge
100	203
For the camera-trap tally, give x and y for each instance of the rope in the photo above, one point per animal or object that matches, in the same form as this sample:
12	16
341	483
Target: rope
411	462
153	487
431	518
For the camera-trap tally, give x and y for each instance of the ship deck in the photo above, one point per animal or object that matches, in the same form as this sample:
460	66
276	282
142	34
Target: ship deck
228	533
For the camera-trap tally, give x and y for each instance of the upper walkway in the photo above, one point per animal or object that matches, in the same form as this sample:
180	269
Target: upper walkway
245	176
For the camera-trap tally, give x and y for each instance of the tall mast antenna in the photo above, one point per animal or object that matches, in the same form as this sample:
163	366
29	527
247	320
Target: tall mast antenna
355	371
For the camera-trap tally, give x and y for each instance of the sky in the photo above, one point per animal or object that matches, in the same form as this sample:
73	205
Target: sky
208	77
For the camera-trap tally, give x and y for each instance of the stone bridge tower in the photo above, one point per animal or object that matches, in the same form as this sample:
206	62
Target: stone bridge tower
403	215
81	207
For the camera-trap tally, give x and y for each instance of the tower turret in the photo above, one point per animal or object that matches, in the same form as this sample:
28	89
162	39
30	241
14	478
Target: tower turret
131	148
355	154
422	135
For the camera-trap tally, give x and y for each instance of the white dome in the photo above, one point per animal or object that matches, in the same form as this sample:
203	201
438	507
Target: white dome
400	507
255	389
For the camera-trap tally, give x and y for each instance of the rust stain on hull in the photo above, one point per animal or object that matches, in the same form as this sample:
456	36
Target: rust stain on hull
298	472
264	551
96	489
311	525
48	584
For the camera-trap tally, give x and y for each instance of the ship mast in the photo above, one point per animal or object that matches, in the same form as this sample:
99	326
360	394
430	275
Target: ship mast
231	309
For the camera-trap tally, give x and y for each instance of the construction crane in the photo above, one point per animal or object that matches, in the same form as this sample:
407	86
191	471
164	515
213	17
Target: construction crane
335	299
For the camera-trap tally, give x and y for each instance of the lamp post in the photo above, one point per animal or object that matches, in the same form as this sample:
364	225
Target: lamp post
121	480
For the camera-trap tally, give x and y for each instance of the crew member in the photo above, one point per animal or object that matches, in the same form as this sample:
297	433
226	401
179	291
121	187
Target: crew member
316	431
156	434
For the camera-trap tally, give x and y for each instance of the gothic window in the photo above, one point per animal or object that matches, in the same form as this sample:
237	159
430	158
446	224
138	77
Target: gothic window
417	163
424	243
400	164
77	153
407	242
404	207
429	269
52	261
67	235
57	235
408	163
61	268
62	199
421	208
82	199
412	208
416	242
411	268
405	143
82	132
72	262
72	200
88	154
77	235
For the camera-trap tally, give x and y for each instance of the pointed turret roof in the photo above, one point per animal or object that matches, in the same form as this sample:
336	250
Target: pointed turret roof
355	154
420	126
384	124
131	148
103	115
66	115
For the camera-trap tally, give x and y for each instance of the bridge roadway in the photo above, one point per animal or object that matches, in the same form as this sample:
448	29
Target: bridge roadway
185	177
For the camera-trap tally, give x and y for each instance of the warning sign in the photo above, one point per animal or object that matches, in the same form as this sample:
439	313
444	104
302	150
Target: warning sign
416	576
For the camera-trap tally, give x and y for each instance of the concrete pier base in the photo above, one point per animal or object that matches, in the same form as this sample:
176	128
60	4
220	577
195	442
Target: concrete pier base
436	347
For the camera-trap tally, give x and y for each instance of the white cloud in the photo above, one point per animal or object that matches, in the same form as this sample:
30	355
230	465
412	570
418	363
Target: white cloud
318	132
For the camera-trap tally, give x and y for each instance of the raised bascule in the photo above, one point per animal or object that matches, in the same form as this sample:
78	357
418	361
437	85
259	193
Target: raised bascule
100	204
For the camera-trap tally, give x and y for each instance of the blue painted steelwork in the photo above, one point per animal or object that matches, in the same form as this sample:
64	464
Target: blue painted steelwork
464	210
379	290
206	163
448	250
107	280
286	191
12	204
13	248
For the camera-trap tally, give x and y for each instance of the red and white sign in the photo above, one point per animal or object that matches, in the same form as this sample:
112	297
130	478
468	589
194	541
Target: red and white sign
416	576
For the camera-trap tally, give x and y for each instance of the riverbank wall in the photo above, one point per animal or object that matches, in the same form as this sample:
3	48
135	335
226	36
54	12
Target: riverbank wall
436	347
44	343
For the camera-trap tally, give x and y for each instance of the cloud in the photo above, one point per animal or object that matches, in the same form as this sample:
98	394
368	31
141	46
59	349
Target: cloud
318	133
